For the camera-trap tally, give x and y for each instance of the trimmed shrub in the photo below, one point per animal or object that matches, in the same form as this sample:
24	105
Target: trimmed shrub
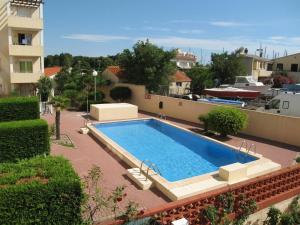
23	139
19	108
227	120
120	94
42	190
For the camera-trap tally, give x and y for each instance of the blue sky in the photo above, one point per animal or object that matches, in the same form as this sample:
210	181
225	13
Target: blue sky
106	27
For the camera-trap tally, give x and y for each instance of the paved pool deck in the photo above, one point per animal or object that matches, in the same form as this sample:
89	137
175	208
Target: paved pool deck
88	152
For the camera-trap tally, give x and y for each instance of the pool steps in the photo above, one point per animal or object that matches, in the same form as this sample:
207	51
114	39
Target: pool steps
139	178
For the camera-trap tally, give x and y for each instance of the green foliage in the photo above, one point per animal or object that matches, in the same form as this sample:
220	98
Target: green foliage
201	78
227	120
120	93
211	214
298	159
60	102
97	203
42	190
227	202
273	216
246	208
204	120
147	65
225	67
287	219
294	209
19	108
23	139
45	86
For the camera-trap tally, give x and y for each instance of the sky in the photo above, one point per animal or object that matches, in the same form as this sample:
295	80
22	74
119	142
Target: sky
107	27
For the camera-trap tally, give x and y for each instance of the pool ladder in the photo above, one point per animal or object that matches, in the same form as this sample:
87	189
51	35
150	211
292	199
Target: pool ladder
162	116
248	149
150	165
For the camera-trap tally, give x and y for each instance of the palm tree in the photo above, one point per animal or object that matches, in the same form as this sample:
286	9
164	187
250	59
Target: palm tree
45	86
59	103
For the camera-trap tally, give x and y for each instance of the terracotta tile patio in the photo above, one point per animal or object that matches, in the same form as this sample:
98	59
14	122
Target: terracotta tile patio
88	152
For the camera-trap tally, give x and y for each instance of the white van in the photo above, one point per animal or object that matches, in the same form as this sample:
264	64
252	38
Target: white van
286	103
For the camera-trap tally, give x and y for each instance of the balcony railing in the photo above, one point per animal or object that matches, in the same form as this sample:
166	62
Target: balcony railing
25	50
21	78
25	23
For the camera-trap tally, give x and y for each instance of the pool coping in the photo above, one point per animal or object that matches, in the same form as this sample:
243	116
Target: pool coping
171	189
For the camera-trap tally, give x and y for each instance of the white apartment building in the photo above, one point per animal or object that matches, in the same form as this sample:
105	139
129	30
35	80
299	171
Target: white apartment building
21	46
184	60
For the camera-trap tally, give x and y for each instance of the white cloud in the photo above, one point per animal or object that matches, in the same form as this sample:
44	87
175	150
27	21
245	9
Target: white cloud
164	29
192	31
95	37
277	38
227	24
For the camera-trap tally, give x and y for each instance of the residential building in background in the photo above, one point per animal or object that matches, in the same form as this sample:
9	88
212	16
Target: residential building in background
255	65
179	82
51	72
21	46
290	65
184	60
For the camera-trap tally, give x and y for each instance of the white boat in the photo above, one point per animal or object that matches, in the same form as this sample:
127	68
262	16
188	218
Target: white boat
249	83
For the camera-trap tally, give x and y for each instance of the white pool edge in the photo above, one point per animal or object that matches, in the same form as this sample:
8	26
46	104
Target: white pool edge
190	186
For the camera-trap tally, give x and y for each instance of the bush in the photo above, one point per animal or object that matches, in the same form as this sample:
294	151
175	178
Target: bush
227	120
120	93
42	190
19	108
23	139
204	120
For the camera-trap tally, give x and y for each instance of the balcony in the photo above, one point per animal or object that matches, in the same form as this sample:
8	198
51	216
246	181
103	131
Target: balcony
25	50
21	78
25	23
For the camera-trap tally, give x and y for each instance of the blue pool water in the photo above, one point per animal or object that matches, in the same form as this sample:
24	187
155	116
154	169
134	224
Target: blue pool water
177	153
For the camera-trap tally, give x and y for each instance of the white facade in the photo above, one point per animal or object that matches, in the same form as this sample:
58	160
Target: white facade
184	60
21	46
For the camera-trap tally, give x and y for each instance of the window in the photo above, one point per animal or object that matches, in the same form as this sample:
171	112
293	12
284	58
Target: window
24	39
25	67
274	104
269	67
241	80
178	84
279	66
294	67
285	104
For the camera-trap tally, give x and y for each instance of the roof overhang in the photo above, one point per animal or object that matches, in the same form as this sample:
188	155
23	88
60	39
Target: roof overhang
29	3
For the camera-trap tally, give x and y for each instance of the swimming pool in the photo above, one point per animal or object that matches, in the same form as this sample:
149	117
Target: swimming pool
178	154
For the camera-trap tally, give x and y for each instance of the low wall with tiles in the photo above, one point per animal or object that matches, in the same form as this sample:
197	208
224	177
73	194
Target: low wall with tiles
275	188
273	127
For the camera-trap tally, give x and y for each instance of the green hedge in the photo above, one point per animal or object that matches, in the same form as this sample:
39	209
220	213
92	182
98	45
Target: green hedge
42	190
19	108
23	139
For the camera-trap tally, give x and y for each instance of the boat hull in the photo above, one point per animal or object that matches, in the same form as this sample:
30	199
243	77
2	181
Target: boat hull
232	94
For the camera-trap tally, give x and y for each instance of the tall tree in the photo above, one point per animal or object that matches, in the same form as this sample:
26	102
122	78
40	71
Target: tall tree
201	78
59	103
147	64
225	67
44	86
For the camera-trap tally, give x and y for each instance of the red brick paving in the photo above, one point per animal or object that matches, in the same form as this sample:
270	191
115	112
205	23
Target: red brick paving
89	152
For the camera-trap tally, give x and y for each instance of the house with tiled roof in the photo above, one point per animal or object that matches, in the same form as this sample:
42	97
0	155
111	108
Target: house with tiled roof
114	74
179	82
51	72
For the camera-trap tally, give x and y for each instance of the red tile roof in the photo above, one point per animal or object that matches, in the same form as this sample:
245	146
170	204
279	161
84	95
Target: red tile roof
50	71
116	70
180	76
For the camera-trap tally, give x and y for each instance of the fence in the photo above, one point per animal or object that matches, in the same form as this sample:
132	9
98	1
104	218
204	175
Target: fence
265	190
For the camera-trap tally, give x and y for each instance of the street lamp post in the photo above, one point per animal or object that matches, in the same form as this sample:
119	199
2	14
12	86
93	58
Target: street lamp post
95	73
